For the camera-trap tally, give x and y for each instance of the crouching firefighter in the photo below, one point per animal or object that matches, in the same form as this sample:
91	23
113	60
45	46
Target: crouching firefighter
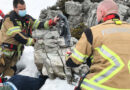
16	32
109	43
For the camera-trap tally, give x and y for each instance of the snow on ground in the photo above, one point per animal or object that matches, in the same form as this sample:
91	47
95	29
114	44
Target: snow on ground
27	60
57	84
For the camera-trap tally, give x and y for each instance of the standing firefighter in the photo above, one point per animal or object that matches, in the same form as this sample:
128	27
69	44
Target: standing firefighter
109	43
16	31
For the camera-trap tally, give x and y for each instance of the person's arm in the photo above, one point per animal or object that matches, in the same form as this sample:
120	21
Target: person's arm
82	50
16	33
36	24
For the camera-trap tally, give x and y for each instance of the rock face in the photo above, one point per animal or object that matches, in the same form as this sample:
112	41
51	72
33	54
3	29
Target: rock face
50	54
50	47
73	8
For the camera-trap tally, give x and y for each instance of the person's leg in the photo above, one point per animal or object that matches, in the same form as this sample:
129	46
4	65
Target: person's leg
8	70
27	83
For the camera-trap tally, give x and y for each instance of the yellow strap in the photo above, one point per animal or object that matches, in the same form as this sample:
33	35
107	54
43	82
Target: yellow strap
36	24
30	42
46	25
117	21
19	50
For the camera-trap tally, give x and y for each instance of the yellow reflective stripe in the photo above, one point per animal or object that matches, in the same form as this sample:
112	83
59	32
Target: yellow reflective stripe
46	25
78	59
129	66
19	23
36	24
0	49
30	40
110	71
93	85
79	56
106	69
13	30
86	87
19	50
91	58
82	55
118	22
8	53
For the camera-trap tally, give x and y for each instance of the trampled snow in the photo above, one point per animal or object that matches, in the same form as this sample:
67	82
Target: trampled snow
27	60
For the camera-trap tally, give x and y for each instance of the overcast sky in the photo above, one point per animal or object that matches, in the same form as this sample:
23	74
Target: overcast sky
33	6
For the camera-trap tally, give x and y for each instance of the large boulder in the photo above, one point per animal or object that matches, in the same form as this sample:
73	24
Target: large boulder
50	55
75	20
73	8
122	10
90	16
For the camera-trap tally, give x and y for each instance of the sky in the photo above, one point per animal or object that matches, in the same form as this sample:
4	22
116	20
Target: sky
34	7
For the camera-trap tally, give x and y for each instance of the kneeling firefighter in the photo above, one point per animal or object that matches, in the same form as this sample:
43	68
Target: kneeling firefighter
16	31
109	43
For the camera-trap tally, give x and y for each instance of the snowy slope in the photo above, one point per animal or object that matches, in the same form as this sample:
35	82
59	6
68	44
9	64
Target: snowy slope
27	60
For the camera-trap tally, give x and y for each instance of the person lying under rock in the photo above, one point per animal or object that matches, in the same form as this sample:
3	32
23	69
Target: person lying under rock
20	82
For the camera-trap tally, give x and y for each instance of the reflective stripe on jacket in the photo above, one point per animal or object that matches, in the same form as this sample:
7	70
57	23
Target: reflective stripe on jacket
110	69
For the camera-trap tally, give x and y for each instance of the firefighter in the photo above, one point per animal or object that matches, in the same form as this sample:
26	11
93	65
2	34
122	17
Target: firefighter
16	31
109	43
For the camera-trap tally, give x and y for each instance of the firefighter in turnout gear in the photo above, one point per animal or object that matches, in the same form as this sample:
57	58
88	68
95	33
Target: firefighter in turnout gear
109	43
16	31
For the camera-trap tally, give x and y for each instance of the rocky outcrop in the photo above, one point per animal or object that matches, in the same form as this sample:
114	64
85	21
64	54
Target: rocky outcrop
50	47
73	8
50	54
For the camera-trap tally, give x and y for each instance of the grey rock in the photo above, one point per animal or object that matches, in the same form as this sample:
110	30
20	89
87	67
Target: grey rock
86	6
73	8
128	20
90	18
39	33
49	14
75	20
122	10
128	11
39	57
51	35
